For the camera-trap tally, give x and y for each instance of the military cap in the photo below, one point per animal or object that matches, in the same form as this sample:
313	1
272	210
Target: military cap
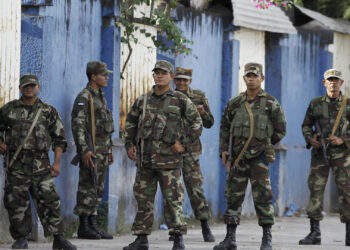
252	67
28	79
96	67
164	65
183	73
333	73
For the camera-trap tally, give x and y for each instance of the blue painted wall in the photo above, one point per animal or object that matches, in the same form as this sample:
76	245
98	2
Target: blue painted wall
294	68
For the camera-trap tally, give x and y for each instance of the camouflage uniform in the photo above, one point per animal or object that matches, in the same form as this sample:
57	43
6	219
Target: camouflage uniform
192	174
31	171
81	125
269	122
324	110
162	127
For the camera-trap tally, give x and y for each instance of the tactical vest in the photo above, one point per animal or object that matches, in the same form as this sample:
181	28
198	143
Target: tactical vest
262	124
163	124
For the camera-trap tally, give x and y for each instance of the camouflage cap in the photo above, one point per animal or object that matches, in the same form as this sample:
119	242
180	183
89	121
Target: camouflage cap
183	73
333	73
96	67
164	65
252	67
28	79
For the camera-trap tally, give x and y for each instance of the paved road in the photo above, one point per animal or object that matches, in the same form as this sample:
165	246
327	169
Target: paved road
286	234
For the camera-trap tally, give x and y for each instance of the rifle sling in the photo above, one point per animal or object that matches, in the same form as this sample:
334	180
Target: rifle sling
251	126
145	98
25	139
337	120
93	127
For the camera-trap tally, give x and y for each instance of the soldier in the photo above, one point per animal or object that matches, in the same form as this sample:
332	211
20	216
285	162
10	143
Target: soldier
251	123
154	132
92	126
31	127
192	174
330	114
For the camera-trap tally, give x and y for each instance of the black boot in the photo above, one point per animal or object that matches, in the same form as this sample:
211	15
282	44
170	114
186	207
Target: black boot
94	226
314	237
207	235
85	231
60	243
178	242
267	238
347	236
141	243
20	243
229	243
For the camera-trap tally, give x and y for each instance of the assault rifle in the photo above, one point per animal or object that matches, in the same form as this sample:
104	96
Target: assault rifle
322	141
77	159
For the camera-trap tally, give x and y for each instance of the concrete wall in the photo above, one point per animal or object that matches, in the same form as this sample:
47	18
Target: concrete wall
341	58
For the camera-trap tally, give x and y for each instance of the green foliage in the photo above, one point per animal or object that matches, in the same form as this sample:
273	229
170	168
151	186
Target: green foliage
102	216
347	13
173	41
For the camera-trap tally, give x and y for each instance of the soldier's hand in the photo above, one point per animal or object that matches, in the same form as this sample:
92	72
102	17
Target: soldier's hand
224	157
200	109
55	170
314	142
110	158
334	140
177	147
3	148
87	159
132	153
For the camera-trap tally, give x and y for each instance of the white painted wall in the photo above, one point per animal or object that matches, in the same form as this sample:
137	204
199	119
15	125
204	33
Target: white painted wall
341	58
252	49
10	38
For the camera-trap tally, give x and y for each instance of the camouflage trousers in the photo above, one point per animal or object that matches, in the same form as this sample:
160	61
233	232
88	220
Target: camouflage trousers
193	180
145	188
317	181
44	195
258	173
87	200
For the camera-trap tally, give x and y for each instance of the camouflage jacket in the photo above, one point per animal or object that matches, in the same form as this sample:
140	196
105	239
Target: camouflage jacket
269	122
163	125
198	98
16	119
81	121
325	111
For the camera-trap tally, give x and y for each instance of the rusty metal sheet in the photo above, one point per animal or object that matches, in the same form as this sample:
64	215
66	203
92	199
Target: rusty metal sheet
10	45
138	73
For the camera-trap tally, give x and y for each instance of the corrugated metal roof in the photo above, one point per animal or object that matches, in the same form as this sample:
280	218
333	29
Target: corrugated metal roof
341	26
273	19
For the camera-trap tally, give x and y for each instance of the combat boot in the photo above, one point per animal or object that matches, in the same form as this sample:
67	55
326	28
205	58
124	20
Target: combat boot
314	237
94	226
60	243
347	236
178	242
207	235
85	231
141	243
267	238
229	243
20	243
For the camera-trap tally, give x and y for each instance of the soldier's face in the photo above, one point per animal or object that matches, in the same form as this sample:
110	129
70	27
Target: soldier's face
333	85
253	81
182	84
30	91
100	80
162	77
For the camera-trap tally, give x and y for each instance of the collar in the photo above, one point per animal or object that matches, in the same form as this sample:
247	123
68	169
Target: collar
189	92
170	91
246	98
94	91
21	103
326	98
